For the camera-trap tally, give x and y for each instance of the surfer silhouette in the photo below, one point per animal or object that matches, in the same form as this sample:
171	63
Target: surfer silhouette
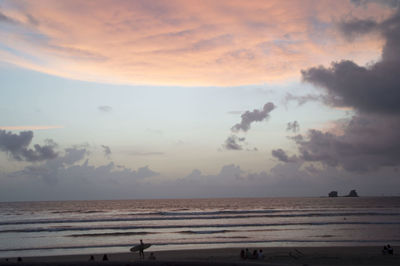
141	248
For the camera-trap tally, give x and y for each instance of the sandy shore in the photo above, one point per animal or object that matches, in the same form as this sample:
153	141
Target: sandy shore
310	256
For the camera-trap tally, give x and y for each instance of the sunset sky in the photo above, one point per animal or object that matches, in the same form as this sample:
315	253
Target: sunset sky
168	99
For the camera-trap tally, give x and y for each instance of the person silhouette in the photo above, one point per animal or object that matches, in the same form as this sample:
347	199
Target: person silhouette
141	249
390	250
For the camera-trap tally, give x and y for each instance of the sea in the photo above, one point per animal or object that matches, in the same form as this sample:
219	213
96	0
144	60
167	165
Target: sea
111	226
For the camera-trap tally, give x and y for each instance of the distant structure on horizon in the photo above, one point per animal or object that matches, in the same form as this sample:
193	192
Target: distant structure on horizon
352	194
333	194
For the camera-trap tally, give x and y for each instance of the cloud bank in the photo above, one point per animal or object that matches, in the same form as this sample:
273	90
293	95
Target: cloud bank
371	138
74	164
83	181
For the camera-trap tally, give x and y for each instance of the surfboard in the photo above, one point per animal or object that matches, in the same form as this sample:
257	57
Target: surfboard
137	247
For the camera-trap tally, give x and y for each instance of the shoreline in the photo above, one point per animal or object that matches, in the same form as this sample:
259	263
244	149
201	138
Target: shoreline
360	255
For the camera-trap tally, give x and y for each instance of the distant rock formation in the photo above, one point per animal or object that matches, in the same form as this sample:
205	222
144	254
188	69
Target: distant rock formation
352	193
333	194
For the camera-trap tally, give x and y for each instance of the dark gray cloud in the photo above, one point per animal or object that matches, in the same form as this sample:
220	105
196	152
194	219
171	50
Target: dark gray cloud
106	150
49	170
105	108
372	89
233	143
249	117
283	157
370	140
293	126
38	153
17	145
349	85
357	27
367	144
280	155
13	143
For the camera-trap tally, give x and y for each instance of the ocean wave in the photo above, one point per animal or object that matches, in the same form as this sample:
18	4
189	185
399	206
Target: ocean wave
198	217
140	227
199	213
113	234
325	236
76	211
206	232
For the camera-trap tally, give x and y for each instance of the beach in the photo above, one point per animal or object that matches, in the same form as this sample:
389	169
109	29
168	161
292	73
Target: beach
290	231
361	255
30	229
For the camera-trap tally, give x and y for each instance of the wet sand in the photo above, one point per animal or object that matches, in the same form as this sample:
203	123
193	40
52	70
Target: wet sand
310	256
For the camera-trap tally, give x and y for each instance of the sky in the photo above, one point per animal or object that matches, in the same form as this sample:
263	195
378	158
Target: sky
191	99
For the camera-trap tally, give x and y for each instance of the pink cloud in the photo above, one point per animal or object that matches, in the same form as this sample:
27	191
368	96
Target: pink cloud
182	42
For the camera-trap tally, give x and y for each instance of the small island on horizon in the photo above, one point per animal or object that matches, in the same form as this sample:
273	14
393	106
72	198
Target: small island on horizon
352	194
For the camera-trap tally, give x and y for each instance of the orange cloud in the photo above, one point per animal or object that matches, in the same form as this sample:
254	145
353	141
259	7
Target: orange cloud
184	42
